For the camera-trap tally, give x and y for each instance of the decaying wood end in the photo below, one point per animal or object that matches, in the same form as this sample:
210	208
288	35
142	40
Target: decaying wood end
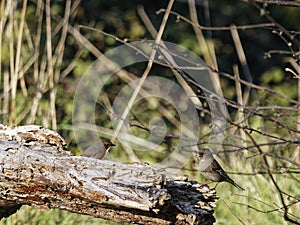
36	170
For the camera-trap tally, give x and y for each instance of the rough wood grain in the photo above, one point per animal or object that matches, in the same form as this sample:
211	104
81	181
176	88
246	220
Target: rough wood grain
36	170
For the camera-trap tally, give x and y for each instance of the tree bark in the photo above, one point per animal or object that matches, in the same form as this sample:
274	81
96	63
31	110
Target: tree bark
36	170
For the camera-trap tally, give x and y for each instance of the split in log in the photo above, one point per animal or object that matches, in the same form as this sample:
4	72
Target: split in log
36	170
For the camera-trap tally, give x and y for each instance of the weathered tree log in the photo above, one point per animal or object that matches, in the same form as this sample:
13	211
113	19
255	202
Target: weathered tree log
36	170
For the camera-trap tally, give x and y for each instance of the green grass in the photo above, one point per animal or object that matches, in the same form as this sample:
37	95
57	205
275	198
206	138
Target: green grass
256	205
29	215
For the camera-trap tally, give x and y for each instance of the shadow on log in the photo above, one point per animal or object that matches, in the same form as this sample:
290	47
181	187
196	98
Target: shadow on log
36	170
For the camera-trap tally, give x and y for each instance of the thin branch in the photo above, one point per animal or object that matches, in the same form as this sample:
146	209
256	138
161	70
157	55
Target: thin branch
241	27
147	70
276	2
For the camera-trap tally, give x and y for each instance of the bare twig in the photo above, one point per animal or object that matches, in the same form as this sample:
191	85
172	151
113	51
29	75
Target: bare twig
241	27
276	2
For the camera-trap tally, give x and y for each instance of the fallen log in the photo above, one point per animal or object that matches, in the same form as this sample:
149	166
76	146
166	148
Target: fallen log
37	170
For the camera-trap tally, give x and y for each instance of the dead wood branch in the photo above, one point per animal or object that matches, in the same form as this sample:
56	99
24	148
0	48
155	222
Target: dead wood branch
36	170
